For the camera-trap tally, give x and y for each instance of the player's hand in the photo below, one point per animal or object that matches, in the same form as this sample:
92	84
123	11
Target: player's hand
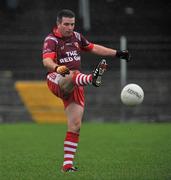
123	55
62	70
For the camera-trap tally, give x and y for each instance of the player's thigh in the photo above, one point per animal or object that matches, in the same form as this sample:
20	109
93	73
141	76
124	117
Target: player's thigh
66	83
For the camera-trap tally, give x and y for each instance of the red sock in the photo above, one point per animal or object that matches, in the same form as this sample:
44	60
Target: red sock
70	147
82	79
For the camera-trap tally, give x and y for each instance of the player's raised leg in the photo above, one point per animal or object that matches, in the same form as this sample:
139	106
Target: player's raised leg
80	79
98	72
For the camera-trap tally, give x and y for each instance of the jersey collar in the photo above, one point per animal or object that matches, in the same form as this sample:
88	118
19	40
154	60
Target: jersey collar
56	32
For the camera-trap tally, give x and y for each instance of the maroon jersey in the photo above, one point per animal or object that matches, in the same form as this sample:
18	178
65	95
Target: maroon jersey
66	51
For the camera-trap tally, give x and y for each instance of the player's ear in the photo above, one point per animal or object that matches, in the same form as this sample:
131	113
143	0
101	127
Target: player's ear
58	21
58	24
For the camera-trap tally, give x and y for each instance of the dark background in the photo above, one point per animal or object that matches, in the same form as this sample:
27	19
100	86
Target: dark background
146	25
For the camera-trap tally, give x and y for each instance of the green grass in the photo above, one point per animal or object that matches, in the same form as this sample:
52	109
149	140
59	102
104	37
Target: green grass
129	151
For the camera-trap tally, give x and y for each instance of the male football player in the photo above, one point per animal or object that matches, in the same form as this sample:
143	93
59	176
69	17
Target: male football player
61	57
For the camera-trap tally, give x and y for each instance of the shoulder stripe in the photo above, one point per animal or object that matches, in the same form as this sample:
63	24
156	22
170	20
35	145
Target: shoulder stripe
52	38
77	35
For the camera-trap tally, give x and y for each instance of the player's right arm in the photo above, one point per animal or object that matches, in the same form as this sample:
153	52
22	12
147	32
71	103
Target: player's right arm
50	55
49	64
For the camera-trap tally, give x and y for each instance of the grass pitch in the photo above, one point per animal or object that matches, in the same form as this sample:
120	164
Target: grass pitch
106	152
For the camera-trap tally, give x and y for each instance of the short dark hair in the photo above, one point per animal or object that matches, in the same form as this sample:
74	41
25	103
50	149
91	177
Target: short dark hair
64	13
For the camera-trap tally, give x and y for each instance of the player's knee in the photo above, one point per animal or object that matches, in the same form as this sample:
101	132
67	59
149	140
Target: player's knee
75	126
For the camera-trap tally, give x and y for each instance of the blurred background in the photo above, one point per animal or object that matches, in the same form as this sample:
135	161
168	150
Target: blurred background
146	25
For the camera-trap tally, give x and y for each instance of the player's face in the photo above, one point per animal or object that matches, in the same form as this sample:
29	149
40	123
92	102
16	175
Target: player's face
66	26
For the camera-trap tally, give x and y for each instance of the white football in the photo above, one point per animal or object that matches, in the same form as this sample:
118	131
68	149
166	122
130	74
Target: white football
132	95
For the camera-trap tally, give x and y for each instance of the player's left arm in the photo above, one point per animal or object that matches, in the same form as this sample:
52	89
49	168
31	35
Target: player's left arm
102	50
105	51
